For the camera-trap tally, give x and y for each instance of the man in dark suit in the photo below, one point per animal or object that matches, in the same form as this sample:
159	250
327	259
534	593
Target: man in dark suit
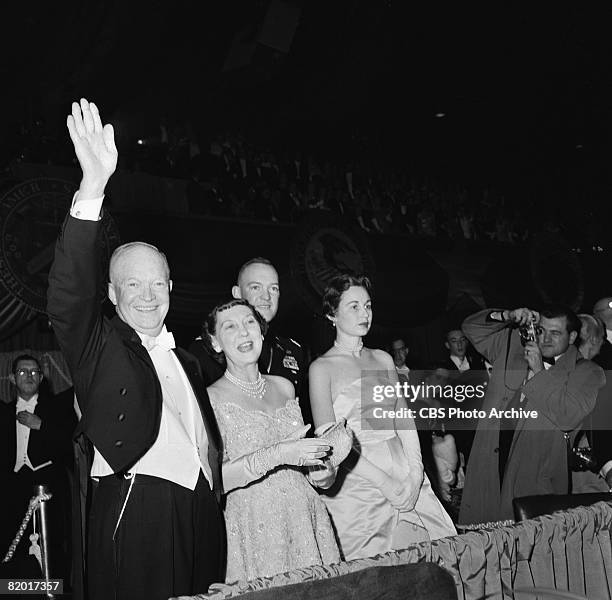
37	429
155	528
461	356
462	367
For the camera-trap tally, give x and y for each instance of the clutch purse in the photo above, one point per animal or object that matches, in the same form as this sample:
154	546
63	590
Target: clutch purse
340	438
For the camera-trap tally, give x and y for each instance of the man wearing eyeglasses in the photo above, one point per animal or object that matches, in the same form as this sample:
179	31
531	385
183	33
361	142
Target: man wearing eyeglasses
37	427
541	388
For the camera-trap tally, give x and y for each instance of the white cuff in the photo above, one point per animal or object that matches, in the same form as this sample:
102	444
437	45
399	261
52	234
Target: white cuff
86	210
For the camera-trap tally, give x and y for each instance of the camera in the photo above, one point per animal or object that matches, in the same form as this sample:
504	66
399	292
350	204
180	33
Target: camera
582	459
527	333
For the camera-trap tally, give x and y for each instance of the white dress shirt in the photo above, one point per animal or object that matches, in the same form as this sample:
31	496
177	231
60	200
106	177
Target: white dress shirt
462	365
404	371
23	435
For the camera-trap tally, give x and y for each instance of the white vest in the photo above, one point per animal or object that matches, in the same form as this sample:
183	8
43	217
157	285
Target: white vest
181	447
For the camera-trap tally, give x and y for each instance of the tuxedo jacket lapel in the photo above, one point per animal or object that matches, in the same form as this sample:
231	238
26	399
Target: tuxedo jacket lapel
10	428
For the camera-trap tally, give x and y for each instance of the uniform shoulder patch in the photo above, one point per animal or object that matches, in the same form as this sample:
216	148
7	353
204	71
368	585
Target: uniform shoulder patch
290	362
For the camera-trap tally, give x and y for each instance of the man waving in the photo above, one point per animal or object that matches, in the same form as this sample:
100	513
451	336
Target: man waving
155	529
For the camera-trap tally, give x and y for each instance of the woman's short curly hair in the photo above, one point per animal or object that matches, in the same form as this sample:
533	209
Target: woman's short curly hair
210	324
337	286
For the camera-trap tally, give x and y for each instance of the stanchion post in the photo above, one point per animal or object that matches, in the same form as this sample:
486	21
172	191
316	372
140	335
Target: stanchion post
44	544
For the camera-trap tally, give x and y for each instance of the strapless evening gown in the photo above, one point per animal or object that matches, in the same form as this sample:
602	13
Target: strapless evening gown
277	523
366	523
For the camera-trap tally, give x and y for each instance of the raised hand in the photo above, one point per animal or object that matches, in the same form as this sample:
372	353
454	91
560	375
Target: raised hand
523	316
94	146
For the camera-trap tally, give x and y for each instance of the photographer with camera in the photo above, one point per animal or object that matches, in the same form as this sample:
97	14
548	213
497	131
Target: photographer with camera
536	369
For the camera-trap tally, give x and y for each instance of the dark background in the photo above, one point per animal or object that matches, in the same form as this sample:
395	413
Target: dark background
525	90
518	98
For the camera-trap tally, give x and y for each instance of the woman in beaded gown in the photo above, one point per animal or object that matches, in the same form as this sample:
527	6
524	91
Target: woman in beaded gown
381	499
275	520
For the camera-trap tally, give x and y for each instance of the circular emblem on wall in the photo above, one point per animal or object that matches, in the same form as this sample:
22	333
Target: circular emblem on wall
31	215
324	247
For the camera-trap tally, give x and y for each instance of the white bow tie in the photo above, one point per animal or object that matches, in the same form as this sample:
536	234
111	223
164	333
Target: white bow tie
28	405
165	340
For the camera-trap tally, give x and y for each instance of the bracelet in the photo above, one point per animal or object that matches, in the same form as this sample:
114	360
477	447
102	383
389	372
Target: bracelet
263	460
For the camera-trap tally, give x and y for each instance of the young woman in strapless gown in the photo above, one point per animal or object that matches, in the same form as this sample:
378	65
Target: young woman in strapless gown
275	520
381	499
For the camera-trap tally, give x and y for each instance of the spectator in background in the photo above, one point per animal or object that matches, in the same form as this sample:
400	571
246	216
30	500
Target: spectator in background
603	311
592	336
37	431
460	358
598	426
399	352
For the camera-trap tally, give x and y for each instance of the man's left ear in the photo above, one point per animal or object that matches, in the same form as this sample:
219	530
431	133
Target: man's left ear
170	285
572	337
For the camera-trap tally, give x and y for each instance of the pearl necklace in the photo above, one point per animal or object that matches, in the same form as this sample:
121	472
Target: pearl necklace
356	351
254	389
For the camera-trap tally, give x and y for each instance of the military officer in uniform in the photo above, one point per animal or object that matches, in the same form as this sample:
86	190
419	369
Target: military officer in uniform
258	284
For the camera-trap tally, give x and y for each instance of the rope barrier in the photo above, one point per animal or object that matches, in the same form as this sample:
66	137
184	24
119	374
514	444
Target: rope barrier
33	505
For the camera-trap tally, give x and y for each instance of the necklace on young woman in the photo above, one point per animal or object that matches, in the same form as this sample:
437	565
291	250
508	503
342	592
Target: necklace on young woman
356	351
254	389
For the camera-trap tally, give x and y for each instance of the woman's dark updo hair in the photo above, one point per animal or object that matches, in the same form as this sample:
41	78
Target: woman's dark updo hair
337	286
210	324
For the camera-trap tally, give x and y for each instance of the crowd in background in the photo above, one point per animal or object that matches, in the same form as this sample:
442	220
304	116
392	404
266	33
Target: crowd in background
238	176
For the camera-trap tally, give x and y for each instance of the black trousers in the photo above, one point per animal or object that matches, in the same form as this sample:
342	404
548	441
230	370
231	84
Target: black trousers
170	541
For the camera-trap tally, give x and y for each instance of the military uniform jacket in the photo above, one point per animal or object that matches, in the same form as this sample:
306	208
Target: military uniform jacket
285	357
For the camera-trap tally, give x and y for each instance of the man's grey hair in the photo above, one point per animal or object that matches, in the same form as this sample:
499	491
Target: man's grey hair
121	250
591	328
